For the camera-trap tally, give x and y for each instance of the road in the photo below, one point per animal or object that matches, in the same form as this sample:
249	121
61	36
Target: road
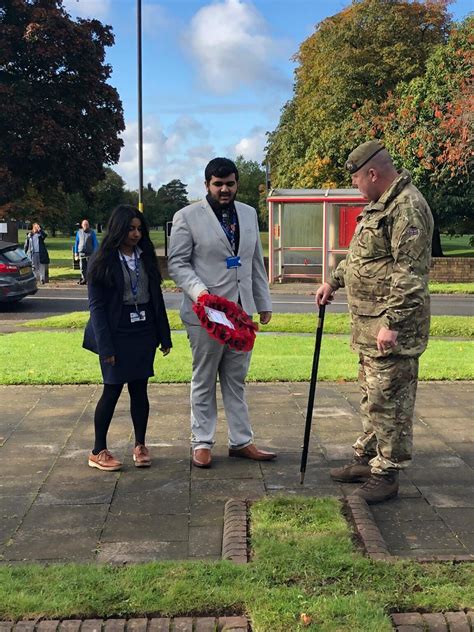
52	301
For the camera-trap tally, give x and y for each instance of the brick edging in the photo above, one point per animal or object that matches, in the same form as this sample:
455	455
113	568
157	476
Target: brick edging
374	542
436	622
234	538
368	530
184	624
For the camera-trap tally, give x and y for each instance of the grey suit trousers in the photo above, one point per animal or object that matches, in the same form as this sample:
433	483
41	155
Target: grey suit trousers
210	360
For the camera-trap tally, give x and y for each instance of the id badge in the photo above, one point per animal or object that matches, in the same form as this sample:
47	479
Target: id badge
136	317
233	262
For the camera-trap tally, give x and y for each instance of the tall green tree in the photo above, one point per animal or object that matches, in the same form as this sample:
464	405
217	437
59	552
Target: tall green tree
105	196
252	186
60	119
170	198
354	57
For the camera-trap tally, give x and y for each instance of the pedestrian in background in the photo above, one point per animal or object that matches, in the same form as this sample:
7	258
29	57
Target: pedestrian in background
36	250
85	245
385	274
128	321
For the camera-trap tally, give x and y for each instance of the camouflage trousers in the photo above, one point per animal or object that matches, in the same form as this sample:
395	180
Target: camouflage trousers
388	387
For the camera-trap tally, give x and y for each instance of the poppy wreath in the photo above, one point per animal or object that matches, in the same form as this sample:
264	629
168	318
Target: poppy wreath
241	338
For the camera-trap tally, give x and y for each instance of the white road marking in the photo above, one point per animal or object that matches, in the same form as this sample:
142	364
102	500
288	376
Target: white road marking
59	298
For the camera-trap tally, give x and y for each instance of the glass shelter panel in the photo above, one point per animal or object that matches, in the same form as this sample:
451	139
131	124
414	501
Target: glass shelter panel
302	224
302	235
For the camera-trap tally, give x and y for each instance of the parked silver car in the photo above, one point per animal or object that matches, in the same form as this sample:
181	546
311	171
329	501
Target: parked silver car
17	279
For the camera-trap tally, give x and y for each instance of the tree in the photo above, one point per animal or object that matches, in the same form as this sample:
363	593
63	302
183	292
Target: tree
355	57
251	176
170	198
426	124
106	195
46	208
252	186
431	130
59	118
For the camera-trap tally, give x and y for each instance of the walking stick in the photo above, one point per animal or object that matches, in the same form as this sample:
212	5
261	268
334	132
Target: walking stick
312	391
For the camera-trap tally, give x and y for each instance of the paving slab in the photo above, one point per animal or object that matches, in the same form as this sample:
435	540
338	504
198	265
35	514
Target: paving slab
55	508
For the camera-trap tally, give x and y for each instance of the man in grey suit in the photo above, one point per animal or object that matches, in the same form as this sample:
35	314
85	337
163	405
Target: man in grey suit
215	248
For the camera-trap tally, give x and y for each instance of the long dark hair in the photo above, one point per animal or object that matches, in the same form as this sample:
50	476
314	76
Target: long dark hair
118	226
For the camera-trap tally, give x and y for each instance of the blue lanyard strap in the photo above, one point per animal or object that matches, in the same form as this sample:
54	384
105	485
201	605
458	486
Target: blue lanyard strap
133	286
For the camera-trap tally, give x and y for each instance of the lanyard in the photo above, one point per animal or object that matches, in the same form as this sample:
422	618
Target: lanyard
133	286
229	227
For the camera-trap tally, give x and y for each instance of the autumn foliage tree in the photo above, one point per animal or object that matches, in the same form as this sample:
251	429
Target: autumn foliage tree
428	125
60	119
353	58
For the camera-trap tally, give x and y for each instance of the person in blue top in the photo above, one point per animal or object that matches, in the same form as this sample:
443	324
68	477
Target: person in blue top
85	245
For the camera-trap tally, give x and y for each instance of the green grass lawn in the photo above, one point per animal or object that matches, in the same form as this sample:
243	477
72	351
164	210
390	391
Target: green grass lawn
280	358
451	288
444	326
457	246
303	561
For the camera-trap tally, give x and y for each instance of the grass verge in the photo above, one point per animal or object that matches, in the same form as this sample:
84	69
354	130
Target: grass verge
304	562
280	358
441	326
451	288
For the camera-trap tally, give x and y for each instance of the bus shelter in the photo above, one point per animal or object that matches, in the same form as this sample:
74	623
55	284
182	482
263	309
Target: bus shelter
310	231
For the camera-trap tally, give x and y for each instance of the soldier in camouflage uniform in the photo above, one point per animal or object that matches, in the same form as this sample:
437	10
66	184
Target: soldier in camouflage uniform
385	275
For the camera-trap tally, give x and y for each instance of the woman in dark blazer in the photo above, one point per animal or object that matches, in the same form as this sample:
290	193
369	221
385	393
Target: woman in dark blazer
127	323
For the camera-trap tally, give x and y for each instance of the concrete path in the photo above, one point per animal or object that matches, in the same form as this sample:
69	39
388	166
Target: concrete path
55	508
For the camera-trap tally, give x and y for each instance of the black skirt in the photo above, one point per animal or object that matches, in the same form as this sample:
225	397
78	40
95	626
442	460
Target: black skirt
135	348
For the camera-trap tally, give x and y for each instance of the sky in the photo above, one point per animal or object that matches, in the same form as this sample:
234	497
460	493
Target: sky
215	77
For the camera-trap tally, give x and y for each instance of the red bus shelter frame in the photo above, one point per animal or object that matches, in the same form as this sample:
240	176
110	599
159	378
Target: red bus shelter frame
326	200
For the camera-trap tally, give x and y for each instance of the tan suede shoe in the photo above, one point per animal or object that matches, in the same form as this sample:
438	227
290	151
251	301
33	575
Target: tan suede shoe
141	456
104	461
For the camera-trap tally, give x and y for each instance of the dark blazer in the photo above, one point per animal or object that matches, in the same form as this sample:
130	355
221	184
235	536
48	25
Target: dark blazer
105	305
43	251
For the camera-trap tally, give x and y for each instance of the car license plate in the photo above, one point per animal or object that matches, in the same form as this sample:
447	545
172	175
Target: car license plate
26	270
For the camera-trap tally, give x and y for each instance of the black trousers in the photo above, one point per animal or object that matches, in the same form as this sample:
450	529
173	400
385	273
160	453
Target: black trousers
83	263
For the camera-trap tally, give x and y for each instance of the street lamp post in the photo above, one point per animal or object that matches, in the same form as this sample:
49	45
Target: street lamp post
140	110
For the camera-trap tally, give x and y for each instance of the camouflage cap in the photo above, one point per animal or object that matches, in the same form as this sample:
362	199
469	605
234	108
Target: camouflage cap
362	154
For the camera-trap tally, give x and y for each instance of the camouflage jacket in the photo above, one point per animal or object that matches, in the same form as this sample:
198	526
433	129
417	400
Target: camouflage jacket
386	270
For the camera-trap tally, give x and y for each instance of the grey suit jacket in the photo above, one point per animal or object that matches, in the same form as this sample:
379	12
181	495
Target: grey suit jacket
197	253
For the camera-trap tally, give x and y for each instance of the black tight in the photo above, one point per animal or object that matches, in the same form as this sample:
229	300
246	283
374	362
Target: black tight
139	409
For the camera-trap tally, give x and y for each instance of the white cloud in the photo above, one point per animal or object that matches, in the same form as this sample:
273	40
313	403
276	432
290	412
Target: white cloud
182	151
252	147
230	43
98	9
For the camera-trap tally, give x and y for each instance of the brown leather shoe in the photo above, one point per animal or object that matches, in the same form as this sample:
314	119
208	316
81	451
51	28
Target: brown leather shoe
252	452
141	456
104	461
202	457
357	471
378	488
